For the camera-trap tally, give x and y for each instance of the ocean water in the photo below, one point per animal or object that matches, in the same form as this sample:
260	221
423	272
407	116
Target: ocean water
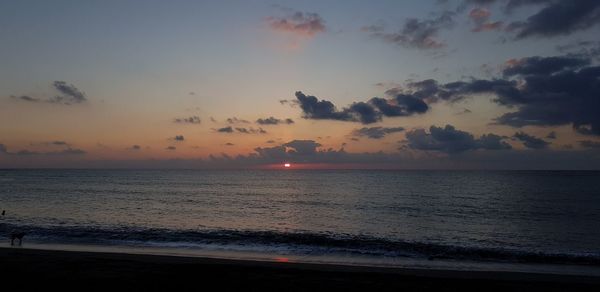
511	217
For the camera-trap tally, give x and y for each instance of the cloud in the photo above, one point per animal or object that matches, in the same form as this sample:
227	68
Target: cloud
558	18
530	141
179	138
68	94
544	91
251	130
363	112
375	132
585	144
450	140
274	121
303	147
235	120
532	66
190	120
551	135
480	18
135	147
25	98
229	144
228	129
65	152
415	33
298	23
171	148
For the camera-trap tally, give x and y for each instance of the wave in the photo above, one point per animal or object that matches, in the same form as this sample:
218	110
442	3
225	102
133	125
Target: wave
302	242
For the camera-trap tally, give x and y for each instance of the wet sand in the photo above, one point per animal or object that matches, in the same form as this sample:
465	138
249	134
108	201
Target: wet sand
96	271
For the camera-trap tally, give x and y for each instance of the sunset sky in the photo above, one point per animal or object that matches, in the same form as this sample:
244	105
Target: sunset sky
319	84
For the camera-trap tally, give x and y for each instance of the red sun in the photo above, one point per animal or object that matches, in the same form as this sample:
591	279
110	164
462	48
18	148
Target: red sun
287	165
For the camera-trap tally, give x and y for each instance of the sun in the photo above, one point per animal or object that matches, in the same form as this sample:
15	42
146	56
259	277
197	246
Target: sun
287	165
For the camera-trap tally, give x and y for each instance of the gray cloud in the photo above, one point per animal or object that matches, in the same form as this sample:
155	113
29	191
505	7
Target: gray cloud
298	23
25	98
415	33
68	95
544	91
559	18
251	130
274	121
530	141
235	120
228	129
450	140
375	132
364	112
190	120
171	148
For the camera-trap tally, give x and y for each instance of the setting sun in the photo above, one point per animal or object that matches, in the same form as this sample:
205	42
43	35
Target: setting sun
287	165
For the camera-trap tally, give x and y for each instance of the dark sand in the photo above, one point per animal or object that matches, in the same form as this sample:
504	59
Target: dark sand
87	271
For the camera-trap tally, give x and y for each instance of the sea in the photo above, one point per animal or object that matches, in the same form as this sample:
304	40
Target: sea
535	221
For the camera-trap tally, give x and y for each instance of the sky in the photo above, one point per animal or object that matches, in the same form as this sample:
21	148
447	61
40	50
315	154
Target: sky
469	84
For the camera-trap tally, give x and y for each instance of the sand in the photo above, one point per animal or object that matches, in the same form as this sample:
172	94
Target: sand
95	271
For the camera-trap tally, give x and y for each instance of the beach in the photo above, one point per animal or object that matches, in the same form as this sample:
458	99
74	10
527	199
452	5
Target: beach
29	268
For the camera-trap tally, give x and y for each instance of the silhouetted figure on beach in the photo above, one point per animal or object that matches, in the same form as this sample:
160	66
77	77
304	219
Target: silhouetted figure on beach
3	212
16	235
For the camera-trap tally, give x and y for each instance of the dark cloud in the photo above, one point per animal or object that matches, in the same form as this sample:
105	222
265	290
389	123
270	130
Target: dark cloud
551	135
586	144
303	147
544	91
270	141
228	129
69	93
251	130
298	23
375	132
229	144
274	121
190	120
530	141
364	112
135	147
171	148
179	138
415	33
543	65
321	109
450	140
559	18
235	120
25	98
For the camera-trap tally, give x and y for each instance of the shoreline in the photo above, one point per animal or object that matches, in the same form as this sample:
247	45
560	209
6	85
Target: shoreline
146	271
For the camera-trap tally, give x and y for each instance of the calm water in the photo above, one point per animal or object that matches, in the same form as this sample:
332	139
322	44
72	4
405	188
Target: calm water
503	216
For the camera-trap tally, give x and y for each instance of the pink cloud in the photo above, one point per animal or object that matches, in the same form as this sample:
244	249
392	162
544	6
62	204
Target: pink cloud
298	24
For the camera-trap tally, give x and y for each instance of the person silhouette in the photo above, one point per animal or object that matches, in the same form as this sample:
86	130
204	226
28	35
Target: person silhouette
3	212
